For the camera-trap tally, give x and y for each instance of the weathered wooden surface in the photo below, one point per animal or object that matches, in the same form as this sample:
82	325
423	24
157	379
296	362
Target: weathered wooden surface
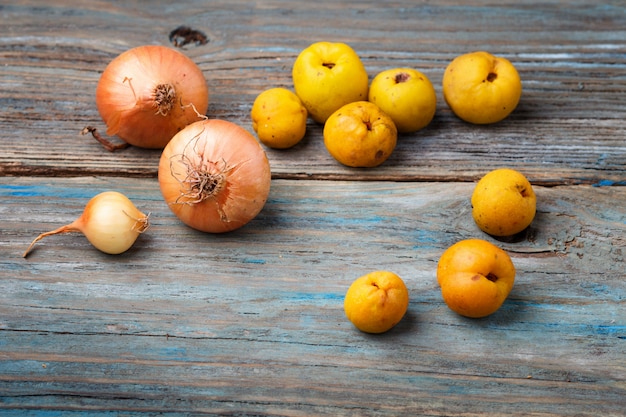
568	128
251	322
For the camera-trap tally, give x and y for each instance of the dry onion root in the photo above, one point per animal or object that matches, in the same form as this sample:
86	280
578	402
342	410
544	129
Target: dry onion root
110	221
149	93
215	176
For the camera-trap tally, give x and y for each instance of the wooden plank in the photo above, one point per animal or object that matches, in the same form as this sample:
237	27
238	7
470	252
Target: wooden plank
251	322
568	129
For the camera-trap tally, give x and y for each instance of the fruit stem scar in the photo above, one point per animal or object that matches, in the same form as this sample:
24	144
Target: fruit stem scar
492	76
522	190
492	277
402	77
328	65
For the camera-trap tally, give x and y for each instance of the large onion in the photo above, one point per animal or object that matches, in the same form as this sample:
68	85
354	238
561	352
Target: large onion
149	93
214	176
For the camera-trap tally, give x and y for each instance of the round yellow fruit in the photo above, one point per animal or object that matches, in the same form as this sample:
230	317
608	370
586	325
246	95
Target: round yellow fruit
278	118
407	96
376	302
475	277
327	76
481	88
359	134
503	202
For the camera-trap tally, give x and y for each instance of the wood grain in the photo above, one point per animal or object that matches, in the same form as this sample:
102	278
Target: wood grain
568	129
251	322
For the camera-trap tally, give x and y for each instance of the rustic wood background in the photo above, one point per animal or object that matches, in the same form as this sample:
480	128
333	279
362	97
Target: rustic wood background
571	56
251	322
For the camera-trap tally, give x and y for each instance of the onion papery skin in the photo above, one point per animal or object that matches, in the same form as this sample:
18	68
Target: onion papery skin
111	222
232	166
125	95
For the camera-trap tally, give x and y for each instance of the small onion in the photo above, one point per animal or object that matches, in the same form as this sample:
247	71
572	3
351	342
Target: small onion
110	221
149	93
214	176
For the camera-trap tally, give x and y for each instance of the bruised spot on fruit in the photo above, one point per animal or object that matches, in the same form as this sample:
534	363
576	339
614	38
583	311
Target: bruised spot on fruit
329	65
379	154
476	277
491	77
402	77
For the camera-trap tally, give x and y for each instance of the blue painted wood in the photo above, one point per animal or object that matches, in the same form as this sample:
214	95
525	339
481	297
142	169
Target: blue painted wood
568	128
251	322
